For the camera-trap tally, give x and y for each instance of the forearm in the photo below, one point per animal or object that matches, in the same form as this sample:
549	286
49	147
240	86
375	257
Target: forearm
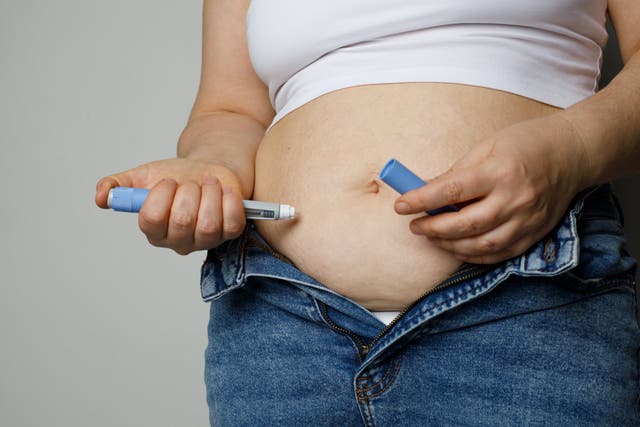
224	138
608	127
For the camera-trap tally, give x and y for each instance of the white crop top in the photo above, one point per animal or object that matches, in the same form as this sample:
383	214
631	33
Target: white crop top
546	50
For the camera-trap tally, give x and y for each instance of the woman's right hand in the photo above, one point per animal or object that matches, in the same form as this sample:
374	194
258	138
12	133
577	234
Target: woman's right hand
192	205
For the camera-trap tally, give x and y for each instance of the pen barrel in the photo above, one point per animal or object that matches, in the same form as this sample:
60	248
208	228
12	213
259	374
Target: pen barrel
126	199
401	179
261	210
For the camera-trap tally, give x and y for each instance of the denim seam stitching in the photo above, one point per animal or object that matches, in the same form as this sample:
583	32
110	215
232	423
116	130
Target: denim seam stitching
513	269
239	276
573	240
369	415
478	289
612	285
461	298
604	285
432	311
241	259
385	375
388	384
300	283
215	295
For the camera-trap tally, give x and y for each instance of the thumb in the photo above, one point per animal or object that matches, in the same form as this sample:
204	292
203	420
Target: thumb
123	179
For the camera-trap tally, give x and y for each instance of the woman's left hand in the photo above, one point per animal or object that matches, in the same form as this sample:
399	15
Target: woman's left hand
512	188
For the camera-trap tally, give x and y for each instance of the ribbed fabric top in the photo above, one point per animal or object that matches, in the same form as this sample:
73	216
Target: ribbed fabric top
546	50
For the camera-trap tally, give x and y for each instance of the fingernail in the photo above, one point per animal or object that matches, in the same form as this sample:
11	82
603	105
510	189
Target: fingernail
170	180
227	190
414	228
402	207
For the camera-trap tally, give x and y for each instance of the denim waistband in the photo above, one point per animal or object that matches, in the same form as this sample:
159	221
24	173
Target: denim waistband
227	267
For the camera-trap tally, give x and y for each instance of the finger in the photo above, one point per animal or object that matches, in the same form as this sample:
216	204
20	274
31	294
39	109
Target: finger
473	219
182	220
107	183
153	218
516	249
209	223
484	259
499	240
447	189
233	219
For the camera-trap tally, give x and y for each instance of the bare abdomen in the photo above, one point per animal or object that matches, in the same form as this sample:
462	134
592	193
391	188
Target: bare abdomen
324	157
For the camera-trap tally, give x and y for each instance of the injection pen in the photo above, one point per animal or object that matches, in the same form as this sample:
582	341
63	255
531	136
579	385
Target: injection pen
401	179
128	199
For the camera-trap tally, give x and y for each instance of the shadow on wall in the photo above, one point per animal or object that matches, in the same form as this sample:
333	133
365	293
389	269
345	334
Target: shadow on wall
626	189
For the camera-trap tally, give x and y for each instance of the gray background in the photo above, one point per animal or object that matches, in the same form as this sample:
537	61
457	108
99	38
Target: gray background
97	327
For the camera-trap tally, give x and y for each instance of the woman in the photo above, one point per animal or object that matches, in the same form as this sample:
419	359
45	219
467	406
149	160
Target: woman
517	309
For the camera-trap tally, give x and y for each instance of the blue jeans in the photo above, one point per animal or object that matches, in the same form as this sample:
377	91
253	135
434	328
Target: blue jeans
547	338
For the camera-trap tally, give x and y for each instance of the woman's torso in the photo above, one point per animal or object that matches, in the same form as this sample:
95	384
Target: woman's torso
324	158
335	129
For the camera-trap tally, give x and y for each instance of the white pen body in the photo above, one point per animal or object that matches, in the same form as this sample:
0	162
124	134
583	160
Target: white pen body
267	210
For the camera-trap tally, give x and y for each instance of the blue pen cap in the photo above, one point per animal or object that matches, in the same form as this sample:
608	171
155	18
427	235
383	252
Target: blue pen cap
401	179
125	199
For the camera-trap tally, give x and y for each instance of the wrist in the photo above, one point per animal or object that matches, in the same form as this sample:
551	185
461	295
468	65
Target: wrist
577	151
233	174
229	141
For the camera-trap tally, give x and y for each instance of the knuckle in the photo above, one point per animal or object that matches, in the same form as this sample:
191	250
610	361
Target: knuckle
155	242
528	198
190	185
539	220
509	170
208	228
453	191
233	229
419	199
487	245
182	220
510	166
182	251
152	217
467	225
491	216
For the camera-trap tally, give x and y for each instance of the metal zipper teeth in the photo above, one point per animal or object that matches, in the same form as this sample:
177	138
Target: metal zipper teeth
363	349
459	277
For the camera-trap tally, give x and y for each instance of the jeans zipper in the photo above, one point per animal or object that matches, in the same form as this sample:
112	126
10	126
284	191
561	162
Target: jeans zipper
465	273
356	339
